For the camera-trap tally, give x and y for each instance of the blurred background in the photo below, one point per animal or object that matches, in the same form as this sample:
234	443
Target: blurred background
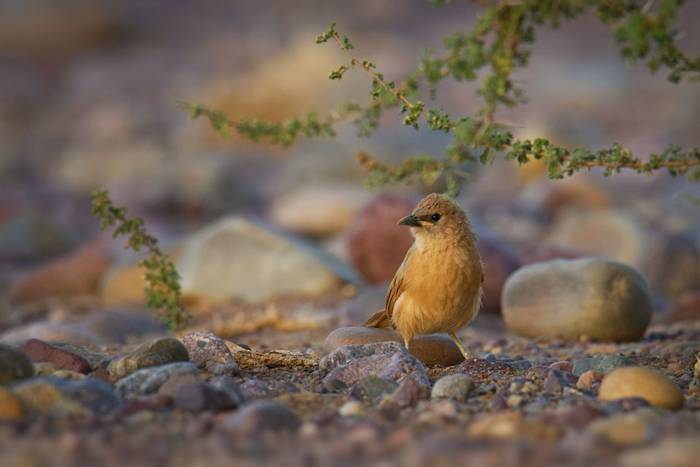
88	93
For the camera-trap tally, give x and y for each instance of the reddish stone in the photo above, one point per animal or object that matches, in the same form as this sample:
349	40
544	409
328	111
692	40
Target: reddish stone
377	244
40	351
76	274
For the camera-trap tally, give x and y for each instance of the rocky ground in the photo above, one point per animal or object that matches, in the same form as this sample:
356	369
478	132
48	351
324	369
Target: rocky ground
586	348
202	399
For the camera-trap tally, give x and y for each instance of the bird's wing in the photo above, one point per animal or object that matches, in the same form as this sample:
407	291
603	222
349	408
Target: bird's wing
382	318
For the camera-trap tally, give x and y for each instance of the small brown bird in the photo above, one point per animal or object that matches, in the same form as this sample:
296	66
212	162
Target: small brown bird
437	288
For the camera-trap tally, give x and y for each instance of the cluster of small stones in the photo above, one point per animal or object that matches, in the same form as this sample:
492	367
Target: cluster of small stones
363	396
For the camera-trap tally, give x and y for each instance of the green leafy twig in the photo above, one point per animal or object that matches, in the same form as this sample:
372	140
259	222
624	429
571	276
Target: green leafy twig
162	280
491	51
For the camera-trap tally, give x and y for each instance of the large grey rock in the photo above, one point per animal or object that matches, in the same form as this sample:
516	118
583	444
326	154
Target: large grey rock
238	259
569	299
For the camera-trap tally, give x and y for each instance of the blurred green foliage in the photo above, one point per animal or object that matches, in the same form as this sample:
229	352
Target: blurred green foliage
495	47
162	280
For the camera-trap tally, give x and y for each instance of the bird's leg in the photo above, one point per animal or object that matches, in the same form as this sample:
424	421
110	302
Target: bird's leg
461	348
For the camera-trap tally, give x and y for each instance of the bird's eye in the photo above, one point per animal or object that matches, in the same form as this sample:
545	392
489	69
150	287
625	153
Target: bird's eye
435	217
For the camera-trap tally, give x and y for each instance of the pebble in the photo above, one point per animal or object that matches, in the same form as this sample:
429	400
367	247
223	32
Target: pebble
588	379
671	452
644	383
234	258
229	386
372	389
628	428
10	407
392	366
510	424
14	365
149	380
160	352
593	298
432	349
199	396
352	409
40	351
456	387
59	397
210	352
43	397
412	389
256	389
262	416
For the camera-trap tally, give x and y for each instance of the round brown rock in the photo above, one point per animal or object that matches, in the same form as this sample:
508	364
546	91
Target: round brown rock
432	349
643	383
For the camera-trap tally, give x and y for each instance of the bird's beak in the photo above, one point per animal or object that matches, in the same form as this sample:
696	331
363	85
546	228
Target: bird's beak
411	221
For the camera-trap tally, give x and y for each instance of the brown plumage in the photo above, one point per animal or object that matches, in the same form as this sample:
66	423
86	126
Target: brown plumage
437	288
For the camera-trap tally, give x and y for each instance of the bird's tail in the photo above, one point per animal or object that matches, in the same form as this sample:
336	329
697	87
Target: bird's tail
380	319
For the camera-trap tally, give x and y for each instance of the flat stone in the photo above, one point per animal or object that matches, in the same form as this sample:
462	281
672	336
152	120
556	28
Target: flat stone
14	365
640	382
160	352
569	299
40	351
432	349
235	258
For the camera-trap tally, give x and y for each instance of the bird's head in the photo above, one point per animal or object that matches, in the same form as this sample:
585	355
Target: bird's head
436	216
